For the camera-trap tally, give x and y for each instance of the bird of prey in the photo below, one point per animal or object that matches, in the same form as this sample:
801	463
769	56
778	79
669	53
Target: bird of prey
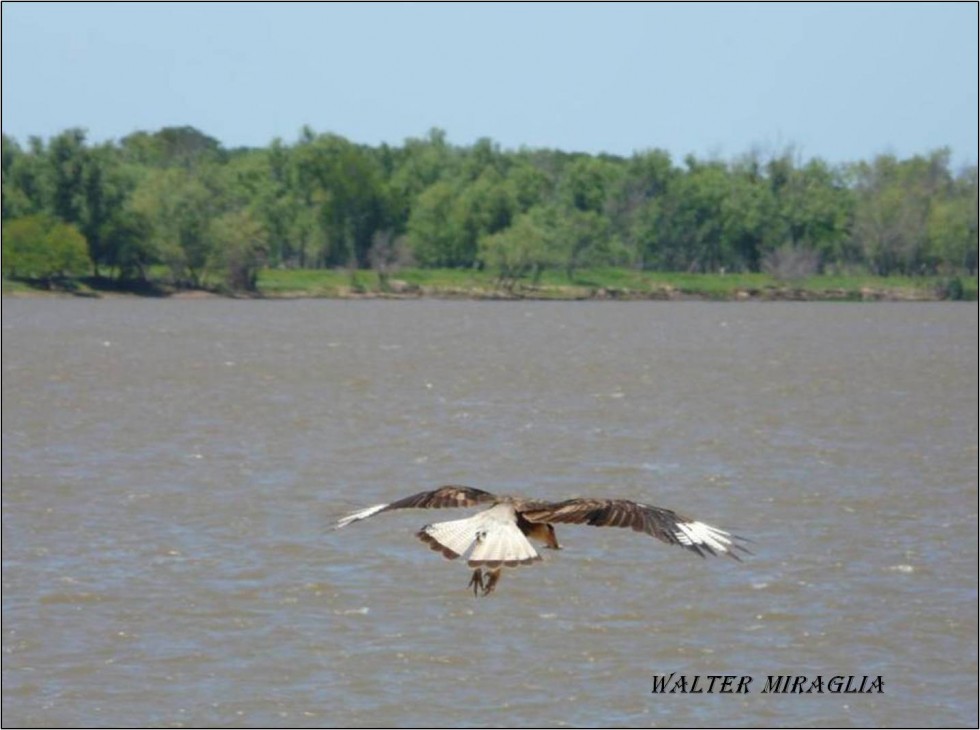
498	536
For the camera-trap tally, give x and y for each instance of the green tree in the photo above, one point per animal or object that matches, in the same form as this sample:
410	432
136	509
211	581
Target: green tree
21	187
633	200
485	206
184	147
584	239
892	211
105	189
66	170
432	236
750	224
239	249
173	195
645	234
813	208
128	237
179	205
531	185
418	165
691	227
42	248
275	203
952	226
349	195
78	184
527	247
484	156
585	182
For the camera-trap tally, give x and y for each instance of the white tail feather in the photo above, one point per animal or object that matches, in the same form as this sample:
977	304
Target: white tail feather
502	544
457	536
490	538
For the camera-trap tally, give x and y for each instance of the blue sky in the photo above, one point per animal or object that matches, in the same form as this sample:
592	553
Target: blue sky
838	81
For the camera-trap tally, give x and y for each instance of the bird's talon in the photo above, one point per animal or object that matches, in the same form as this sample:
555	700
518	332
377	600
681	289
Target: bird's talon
492	578
476	583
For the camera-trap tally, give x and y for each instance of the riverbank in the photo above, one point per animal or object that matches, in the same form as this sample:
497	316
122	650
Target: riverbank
598	284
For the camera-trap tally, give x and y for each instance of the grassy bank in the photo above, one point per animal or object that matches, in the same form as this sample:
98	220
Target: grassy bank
584	284
612	284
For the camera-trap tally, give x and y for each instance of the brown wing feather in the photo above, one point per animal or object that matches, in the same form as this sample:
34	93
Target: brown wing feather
451	495
664	524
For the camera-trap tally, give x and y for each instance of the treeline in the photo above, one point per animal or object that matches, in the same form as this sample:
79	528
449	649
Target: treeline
215	216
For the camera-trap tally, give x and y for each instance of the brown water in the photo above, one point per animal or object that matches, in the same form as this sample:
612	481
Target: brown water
171	470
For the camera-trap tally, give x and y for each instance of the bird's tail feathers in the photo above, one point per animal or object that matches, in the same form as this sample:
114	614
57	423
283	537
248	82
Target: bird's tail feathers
486	543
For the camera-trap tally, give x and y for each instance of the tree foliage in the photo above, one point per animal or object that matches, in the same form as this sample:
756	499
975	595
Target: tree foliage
213	216
42	248
527	247
239	250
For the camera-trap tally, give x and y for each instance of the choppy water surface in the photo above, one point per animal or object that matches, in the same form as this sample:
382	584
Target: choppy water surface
171	470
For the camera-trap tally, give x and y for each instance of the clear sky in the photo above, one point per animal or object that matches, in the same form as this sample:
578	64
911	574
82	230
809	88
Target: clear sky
840	81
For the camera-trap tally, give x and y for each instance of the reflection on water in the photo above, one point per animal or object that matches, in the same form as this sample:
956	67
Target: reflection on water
171	470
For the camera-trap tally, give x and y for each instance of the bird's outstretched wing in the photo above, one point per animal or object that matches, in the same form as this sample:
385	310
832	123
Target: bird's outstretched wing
452	495
663	524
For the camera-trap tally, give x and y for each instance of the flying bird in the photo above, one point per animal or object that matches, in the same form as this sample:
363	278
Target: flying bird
498	536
